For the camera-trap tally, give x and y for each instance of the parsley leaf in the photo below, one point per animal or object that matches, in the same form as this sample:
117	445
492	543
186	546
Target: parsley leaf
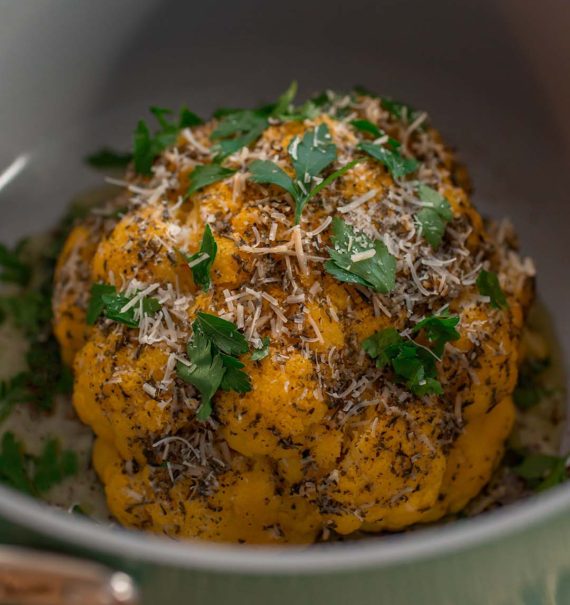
529	391
378	345
262	352
310	156
439	329
30	311
208	251
146	146
12	392
238	129
206	174
12	269
109	158
413	364
370	128
105	300
234	379
96	305
542	471
34	475
205	373
13	471
396	164
267	172
401	111
285	101
434	216
224	334
241	127
212	351
377	272
488	284
53	466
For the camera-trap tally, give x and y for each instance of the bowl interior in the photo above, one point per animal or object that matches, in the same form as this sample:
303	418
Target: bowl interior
465	63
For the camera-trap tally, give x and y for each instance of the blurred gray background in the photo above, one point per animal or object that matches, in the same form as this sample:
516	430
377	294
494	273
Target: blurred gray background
76	74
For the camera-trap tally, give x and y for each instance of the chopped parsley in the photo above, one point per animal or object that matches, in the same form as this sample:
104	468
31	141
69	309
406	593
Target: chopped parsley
368	127
206	174
310	156
434	215
12	392
13	269
105	300
529	390
377	271
213	351
541	471
439	329
109	158
147	146
30	311
401	111
488	284
34	475
396	164
241	127
414	364
201	262
262	352
284	104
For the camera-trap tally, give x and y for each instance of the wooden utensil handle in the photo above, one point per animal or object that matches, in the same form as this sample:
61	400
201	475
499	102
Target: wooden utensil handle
29	577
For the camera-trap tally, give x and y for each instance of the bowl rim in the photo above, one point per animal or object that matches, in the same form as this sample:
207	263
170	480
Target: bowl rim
425	543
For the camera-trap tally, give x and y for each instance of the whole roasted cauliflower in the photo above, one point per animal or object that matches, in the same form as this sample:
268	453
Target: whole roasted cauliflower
292	324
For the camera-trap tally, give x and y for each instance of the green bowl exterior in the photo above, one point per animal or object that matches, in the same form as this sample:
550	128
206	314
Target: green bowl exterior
531	568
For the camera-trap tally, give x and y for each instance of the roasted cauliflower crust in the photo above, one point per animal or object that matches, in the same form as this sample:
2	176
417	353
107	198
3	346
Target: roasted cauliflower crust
325	440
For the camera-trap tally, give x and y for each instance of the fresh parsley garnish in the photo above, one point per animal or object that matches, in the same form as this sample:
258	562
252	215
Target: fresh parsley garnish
529	390
262	352
396	164
377	272
434	215
488	284
34	475
206	174
401	111
310	156
439	329
241	127
12	268
414	364
109	158
213	351
147	146
223	334
30	311
201	262
12	392
368	127
105	300
284	104
541	471
238	129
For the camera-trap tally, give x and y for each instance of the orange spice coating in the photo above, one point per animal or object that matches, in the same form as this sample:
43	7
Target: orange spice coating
324	440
